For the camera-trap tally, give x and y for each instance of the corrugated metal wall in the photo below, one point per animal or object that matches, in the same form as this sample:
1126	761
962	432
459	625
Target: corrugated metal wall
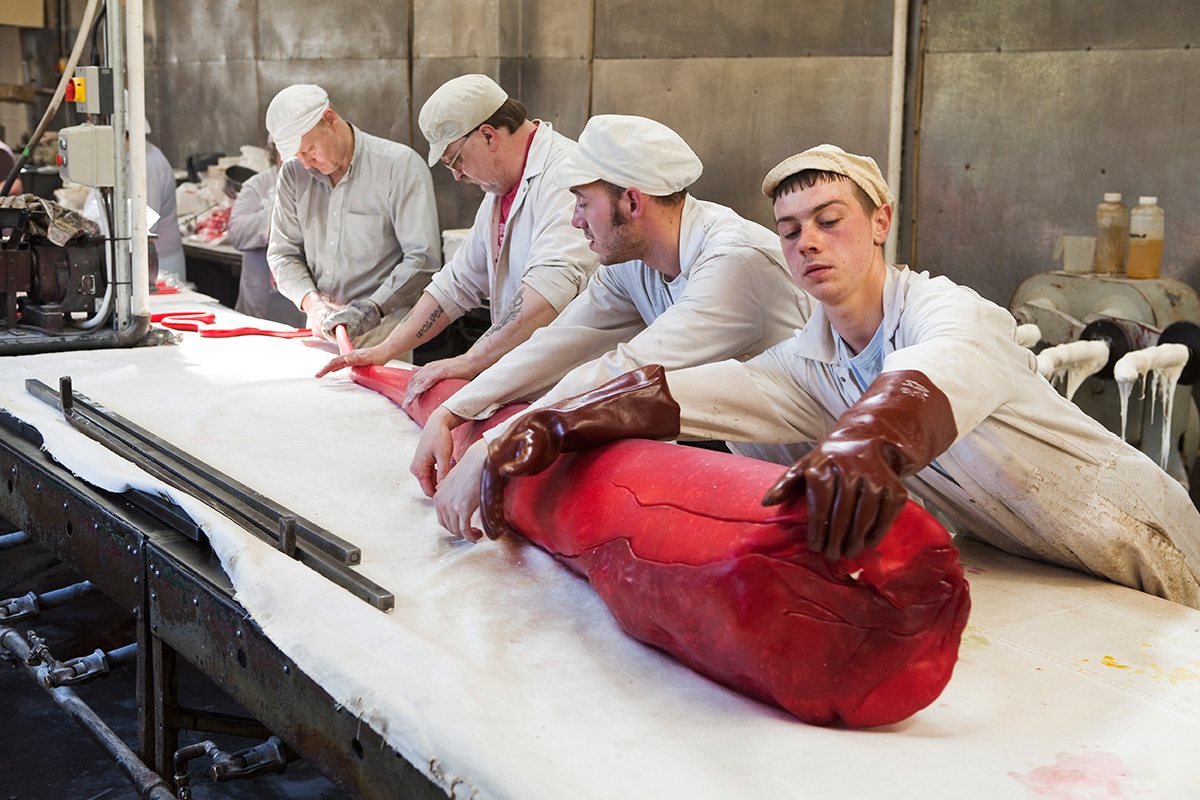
1028	109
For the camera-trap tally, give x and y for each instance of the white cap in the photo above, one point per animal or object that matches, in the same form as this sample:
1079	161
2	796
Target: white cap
294	112
829	158
632	153
459	106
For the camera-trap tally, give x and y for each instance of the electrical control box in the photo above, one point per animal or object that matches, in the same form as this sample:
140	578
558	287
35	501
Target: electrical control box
91	90
86	155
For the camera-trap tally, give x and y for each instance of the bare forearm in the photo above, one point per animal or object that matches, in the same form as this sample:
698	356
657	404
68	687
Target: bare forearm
526	312
426	320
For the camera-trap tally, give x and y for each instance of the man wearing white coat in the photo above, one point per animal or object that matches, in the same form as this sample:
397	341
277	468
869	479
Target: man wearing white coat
521	252
905	382
683	282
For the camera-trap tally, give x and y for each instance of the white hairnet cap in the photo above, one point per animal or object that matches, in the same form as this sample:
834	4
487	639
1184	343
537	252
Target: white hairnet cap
829	158
459	106
630	152
294	112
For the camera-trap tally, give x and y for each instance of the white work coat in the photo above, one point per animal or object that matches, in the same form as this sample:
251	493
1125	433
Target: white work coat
734	298
1029	472
540	248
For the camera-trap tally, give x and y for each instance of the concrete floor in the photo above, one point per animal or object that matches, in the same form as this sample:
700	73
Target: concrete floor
44	755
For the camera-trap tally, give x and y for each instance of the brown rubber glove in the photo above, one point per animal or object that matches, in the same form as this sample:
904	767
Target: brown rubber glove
852	478
637	405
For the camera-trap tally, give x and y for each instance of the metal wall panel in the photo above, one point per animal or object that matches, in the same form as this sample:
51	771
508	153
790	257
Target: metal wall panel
457	29
719	28
502	28
554	29
203	106
743	116
349	30
982	25
1017	149
373	94
217	30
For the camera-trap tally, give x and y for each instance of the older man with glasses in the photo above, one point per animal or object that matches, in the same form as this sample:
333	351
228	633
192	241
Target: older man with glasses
521	254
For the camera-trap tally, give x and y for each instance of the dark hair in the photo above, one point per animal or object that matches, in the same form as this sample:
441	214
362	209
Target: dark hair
509	116
669	200
807	178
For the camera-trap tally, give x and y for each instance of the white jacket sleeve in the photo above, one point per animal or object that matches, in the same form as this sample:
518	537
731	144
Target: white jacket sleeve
462	284
591	325
719	316
965	345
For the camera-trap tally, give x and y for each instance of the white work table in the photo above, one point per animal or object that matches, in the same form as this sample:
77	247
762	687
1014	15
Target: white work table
500	674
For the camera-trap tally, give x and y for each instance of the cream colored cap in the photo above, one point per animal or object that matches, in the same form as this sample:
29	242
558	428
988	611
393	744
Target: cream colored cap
459	106
630	152
829	158
294	112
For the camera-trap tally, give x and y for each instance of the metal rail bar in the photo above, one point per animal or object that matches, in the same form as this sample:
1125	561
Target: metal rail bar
246	503
304	551
149	784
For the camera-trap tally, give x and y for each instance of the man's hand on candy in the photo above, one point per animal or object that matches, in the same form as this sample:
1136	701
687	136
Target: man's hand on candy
358	318
457	496
435	450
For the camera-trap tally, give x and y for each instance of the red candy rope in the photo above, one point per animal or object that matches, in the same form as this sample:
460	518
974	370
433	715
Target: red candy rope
676	543
195	322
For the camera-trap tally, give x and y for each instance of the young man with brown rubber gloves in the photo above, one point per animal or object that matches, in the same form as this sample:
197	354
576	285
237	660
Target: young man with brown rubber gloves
904	382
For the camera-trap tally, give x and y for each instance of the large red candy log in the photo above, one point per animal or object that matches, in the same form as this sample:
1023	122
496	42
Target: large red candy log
675	542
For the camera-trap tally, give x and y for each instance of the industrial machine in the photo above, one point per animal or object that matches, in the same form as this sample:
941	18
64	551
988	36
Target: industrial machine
65	282
1128	316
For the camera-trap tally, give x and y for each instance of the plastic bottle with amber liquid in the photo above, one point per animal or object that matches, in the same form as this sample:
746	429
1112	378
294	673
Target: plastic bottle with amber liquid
1145	239
1112	235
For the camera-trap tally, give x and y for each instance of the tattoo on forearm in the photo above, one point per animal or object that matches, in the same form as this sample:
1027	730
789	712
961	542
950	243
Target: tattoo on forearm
434	317
511	312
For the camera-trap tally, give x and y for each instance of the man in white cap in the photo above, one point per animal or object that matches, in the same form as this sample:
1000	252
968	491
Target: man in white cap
683	282
904	383
521	254
354	234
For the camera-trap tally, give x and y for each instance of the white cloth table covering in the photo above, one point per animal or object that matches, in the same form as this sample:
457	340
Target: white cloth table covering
501	675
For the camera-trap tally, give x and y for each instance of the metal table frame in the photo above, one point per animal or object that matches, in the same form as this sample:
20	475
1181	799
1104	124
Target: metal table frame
184	606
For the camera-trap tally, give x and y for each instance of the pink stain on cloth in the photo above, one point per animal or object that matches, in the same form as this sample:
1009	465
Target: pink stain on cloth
676	543
1083	776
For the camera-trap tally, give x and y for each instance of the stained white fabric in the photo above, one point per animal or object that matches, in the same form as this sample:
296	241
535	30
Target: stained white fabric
501	676
540	249
733	299
373	236
1029	473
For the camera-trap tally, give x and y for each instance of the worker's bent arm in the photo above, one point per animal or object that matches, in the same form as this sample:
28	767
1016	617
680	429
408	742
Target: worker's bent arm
525	313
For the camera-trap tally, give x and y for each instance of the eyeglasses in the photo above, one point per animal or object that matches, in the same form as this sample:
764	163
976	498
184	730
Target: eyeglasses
451	164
